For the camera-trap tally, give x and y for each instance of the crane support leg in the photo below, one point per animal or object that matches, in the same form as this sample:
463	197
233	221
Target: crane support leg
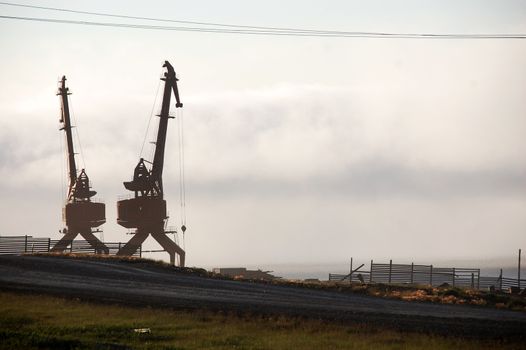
64	242
133	244
170	246
94	242
99	247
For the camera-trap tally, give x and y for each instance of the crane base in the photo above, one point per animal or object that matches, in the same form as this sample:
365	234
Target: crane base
140	236
68	238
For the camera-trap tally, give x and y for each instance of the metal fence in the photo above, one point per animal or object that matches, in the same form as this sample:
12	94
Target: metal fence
428	275
15	245
424	274
24	244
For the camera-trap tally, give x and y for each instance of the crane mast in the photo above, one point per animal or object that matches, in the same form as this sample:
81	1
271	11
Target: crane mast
146	212
79	186
65	119
170	79
79	214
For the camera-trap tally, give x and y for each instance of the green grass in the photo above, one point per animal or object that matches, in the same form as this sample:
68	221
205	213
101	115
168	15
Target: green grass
43	322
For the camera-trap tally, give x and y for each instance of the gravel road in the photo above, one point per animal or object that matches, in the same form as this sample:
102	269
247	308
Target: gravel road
110	281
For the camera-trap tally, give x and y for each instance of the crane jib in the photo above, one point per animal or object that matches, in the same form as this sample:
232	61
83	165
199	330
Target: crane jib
152	184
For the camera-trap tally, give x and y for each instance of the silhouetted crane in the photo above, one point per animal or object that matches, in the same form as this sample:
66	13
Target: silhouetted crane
80	213
146	212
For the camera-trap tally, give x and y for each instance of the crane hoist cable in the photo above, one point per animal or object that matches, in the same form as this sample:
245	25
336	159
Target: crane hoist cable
150	118
182	179
183	226
182	184
76	132
62	168
81	151
153	143
183	166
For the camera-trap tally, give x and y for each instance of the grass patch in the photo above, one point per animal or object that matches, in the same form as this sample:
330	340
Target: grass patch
441	295
44	322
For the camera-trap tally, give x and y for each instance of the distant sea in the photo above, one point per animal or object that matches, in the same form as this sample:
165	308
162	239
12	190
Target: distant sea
488	267
321	271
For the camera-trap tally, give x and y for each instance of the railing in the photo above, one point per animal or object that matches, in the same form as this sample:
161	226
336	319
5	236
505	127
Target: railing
24	244
428	275
15	245
424	274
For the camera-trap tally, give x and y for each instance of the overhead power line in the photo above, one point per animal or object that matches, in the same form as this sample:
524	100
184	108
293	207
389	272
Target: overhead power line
158	19
281	33
240	29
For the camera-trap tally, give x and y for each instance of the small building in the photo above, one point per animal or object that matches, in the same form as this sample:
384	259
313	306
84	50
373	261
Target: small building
242	272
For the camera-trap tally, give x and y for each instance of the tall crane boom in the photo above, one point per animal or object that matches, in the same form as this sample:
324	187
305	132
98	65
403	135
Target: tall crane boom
146	212
80	214
170	79
79	186
65	119
150	183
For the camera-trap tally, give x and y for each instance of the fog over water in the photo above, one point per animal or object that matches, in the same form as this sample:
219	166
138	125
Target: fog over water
300	152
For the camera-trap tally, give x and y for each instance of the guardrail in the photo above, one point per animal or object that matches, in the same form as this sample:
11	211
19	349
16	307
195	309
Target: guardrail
428	275
15	245
424	274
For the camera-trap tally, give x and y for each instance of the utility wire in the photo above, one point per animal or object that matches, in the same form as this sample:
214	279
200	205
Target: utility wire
277	32
155	19
264	29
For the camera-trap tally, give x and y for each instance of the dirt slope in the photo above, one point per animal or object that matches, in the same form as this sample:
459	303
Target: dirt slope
140	284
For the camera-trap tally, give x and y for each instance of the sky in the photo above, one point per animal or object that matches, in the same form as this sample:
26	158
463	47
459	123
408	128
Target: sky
298	150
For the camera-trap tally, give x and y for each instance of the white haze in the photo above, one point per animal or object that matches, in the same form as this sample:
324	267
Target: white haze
298	150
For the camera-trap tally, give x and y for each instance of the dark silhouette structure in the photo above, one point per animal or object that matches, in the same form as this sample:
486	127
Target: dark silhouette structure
146	212
80	214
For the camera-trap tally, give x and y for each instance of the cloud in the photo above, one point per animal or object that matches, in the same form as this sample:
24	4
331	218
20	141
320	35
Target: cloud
417	154
298	138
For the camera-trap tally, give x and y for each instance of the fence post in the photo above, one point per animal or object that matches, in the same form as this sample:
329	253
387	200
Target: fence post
119	247
25	245
371	273
390	269
412	272
350	273
431	276
140	251
500	278
478	279
71	248
453	277
472	280
48	245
